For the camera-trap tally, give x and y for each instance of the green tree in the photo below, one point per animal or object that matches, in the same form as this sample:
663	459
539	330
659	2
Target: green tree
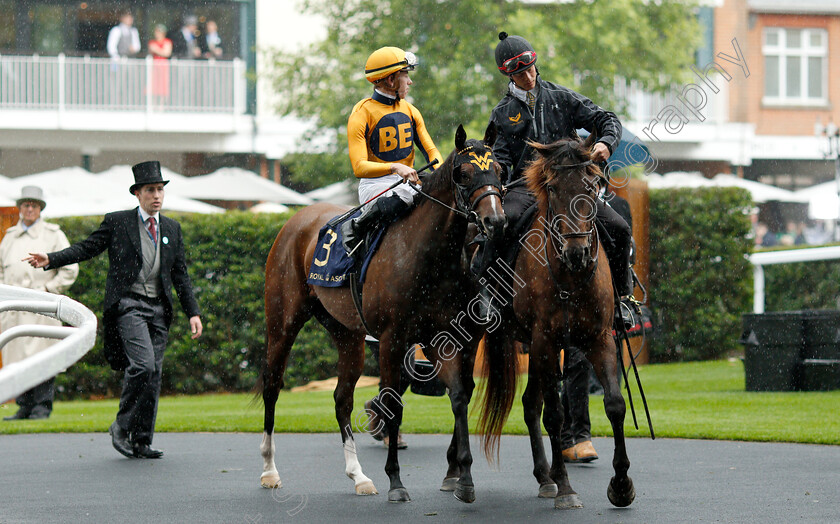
583	44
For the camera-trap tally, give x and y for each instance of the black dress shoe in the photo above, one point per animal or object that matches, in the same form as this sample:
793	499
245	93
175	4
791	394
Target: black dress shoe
20	415
39	414
119	438
147	452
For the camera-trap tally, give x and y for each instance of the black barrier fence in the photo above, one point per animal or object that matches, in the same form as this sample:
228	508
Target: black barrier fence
792	350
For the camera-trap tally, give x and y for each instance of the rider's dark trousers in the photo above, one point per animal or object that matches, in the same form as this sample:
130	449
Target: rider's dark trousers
575	399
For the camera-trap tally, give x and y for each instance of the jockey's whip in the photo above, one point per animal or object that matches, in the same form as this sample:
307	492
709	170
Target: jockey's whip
344	216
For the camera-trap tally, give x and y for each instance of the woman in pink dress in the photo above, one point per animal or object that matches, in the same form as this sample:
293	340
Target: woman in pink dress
161	49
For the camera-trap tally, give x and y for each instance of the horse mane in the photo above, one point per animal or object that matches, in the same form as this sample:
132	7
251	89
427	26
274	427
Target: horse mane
538	175
440	180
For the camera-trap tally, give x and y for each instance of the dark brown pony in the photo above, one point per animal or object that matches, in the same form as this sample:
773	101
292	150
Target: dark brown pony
416	285
566	300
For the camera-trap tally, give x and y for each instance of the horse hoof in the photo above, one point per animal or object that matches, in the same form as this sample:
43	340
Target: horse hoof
570	501
449	484
548	491
270	481
465	493
366	488
621	493
398	495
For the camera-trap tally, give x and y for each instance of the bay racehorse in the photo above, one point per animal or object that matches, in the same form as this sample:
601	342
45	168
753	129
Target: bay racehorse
566	300
416	285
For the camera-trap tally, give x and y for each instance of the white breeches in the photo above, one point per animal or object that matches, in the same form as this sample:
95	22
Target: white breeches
370	187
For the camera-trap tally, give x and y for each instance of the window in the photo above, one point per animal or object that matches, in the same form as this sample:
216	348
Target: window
795	66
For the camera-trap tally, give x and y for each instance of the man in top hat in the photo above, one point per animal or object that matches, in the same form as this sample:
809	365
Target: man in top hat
28	235
146	259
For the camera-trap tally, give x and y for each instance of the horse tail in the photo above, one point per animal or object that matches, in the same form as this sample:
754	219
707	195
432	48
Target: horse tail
500	365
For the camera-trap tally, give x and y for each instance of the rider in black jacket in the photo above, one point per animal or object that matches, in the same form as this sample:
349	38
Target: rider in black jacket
543	112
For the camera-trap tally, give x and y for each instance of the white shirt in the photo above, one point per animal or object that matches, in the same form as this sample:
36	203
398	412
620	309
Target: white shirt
116	33
145	217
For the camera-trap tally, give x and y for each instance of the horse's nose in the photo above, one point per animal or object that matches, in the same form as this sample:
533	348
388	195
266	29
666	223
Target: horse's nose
577	257
495	225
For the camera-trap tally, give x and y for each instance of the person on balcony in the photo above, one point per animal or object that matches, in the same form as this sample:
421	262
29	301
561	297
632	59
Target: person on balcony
185	40
28	235
210	41
161	49
123	39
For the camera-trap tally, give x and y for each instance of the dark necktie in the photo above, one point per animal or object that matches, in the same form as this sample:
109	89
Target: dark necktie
153	229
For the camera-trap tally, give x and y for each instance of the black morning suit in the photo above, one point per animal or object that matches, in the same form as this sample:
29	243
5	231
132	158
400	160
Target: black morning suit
119	233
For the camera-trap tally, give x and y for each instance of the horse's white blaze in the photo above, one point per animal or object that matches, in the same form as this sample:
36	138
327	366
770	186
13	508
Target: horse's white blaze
270	477
496	208
353	469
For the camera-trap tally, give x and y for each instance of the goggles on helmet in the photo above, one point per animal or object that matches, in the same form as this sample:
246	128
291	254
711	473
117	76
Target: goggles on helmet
410	61
522	60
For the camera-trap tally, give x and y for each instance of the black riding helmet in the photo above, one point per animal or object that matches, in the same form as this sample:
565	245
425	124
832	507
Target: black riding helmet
514	54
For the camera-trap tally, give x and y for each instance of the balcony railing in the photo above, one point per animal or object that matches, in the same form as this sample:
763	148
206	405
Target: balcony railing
61	83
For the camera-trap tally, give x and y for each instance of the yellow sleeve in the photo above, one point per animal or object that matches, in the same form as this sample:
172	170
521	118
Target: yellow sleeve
424	140
357	144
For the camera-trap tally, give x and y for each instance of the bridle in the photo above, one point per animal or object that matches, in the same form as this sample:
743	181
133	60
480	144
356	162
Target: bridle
483	159
591	235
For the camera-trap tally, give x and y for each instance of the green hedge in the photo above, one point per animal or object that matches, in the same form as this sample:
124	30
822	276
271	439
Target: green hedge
226	256
801	285
700	284
700	278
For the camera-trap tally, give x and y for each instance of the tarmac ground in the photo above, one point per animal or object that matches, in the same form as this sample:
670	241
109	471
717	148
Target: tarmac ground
214	477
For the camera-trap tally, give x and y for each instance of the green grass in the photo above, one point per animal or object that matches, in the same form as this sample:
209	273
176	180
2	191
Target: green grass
691	400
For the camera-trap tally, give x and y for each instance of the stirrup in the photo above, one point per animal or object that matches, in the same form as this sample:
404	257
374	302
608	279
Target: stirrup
632	303
626	307
486	308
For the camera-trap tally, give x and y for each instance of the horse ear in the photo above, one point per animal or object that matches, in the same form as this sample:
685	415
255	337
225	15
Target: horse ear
541	149
490	134
460	138
590	141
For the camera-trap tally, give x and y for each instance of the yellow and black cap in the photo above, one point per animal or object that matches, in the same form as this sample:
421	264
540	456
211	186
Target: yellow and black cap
386	61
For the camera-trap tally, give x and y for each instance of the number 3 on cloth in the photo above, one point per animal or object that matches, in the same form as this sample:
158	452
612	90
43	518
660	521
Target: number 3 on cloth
328	247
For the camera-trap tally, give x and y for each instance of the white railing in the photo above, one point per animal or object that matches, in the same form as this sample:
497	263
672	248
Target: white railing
101	84
643	106
759	260
77	340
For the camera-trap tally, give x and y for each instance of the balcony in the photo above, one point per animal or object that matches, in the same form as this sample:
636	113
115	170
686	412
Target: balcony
63	93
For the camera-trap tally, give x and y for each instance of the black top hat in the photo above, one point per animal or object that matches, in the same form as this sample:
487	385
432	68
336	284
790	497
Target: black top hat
146	173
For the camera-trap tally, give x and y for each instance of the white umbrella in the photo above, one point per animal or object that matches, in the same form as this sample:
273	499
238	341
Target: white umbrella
760	192
823	203
123	176
678	179
232	183
73	191
342	193
269	207
9	192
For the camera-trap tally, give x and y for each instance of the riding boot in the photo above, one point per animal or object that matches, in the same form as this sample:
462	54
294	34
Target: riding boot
382	211
485	255
627	305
